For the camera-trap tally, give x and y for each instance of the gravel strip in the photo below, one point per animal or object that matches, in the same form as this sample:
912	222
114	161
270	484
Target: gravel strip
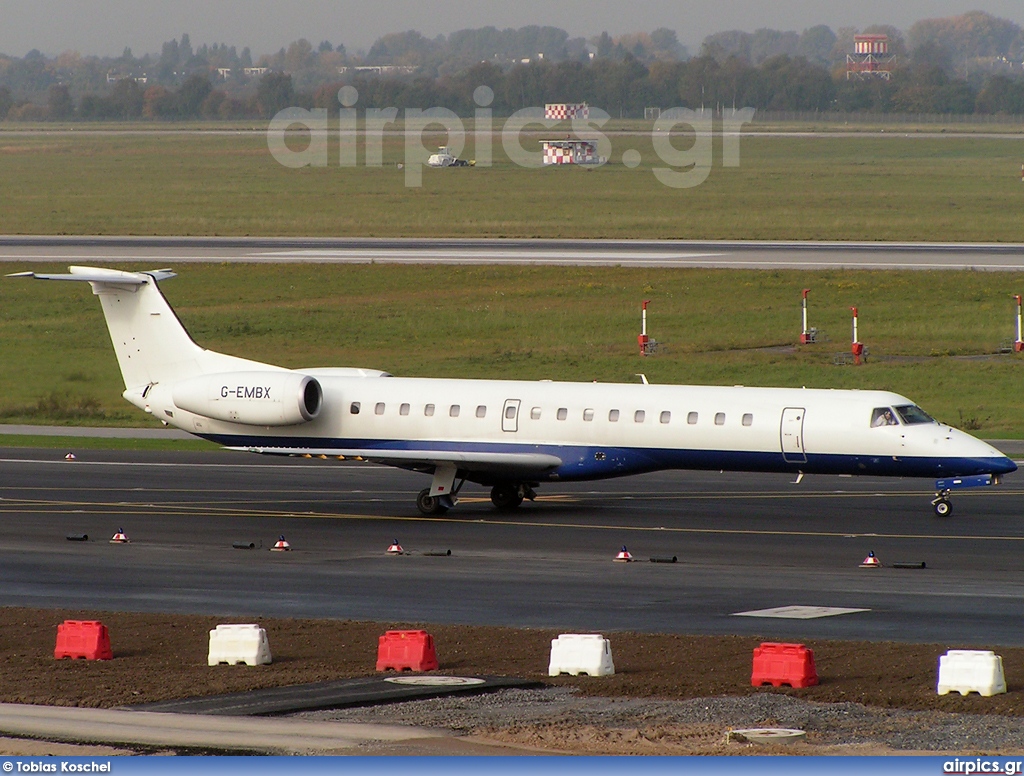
531	716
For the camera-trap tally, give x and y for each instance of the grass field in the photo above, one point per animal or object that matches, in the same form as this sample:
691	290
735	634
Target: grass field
905	187
932	335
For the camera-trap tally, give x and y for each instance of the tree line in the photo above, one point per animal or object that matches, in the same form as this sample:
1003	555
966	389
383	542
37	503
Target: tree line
624	88
964	64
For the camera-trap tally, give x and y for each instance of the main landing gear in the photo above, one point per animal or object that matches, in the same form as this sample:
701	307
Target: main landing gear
504	497
511	496
432	505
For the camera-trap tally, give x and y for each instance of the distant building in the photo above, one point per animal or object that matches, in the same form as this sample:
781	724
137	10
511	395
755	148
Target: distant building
566	110
379	69
254	71
224	72
570	151
870	58
113	77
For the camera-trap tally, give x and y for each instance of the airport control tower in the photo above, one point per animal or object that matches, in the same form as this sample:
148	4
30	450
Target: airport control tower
871	58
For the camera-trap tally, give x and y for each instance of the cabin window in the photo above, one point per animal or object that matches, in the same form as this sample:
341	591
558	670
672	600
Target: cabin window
613	416
562	413
692	418
481	411
588	415
378	408
403	410
428	410
666	417
883	416
719	418
354	408
510	412
638	416
748	419
453	411
911	414
535	413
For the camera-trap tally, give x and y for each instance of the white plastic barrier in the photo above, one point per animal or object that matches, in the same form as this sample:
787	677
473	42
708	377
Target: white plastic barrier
971	670
235	644
574	653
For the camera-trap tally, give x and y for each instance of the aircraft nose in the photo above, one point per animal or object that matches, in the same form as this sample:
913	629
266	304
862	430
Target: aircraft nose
987	458
997	461
1003	466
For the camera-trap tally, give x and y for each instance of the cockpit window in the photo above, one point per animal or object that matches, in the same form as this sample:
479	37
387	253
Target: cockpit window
883	416
911	414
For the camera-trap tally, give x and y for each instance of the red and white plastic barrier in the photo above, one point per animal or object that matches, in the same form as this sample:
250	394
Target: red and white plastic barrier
83	640
234	644
971	670
575	654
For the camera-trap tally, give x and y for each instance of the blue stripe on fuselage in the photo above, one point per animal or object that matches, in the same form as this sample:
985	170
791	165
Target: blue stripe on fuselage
593	463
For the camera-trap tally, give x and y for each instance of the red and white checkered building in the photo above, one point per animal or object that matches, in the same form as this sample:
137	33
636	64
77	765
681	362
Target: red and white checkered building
563	111
570	152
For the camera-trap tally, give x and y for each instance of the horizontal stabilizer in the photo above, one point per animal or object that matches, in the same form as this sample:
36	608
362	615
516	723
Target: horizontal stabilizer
101	275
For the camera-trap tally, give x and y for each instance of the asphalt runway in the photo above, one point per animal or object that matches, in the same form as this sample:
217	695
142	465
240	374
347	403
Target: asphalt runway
744	542
161	251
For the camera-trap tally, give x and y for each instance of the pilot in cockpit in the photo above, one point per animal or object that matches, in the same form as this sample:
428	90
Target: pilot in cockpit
883	416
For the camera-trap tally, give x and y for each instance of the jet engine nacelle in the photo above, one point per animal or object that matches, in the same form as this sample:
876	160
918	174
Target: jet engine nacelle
252	398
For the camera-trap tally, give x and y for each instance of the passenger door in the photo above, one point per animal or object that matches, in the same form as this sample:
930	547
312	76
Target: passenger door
510	415
792	435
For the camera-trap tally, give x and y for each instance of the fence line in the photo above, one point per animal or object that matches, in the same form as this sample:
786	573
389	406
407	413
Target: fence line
859	117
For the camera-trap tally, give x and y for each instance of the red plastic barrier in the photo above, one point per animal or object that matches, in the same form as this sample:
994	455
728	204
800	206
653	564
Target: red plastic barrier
406	651
779	664
83	639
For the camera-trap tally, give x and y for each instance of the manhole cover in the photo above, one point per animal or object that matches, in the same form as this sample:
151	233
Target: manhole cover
767	735
435	681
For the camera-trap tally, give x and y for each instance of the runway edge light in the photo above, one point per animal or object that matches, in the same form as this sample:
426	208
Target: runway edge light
395	548
871	561
281	545
119	537
623	556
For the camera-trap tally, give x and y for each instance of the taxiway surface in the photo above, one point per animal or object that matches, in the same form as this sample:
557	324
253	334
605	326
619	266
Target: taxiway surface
743	542
631	253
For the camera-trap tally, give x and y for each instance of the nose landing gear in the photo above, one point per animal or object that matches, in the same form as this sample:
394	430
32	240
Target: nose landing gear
941	504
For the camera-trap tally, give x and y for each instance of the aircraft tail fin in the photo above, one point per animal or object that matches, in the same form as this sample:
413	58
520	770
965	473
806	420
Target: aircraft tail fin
150	342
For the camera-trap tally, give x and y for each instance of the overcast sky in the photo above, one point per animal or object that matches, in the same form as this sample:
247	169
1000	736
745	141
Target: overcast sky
107	26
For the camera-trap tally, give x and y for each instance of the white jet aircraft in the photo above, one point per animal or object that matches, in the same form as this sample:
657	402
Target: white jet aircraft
512	435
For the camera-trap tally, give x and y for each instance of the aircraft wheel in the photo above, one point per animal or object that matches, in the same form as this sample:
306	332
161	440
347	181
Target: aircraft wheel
943	508
506	496
429	505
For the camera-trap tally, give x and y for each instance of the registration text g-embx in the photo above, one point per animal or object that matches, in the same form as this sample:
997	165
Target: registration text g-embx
245	392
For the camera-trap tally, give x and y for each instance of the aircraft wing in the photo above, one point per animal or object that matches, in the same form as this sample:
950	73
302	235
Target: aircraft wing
468	460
